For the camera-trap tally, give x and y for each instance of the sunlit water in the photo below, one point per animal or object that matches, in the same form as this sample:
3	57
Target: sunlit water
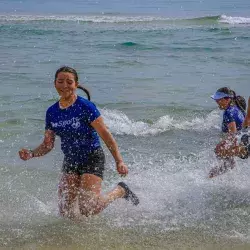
151	68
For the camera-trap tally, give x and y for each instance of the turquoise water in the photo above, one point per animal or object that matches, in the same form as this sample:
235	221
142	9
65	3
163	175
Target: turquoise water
151	67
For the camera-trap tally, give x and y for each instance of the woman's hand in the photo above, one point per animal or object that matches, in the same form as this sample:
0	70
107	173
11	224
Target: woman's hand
44	148
25	154
122	168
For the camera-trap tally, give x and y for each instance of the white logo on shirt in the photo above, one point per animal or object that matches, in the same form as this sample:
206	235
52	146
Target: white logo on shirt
74	122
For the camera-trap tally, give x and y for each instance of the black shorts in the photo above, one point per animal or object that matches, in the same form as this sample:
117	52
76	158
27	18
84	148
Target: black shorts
94	165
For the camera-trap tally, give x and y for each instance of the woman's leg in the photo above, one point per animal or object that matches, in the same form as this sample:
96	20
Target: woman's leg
67	193
225	152
226	149
90	200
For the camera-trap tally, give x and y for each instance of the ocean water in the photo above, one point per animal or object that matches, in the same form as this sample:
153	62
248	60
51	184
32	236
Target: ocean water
151	67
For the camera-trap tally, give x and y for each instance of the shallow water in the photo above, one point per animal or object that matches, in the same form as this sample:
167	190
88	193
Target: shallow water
151	68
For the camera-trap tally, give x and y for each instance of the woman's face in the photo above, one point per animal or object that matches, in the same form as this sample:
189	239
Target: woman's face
223	103
65	84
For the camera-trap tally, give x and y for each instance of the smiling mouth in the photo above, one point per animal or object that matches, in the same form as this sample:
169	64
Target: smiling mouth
63	90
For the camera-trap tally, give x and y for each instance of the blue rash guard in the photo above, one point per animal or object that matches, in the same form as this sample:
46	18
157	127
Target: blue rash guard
232	114
72	125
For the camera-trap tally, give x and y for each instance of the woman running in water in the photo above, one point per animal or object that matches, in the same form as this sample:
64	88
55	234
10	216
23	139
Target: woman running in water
233	117
79	124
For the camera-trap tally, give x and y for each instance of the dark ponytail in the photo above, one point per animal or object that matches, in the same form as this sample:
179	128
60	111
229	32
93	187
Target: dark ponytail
241	103
85	90
67	69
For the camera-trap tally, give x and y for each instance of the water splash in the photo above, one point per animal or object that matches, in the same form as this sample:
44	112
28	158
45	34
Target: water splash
119	123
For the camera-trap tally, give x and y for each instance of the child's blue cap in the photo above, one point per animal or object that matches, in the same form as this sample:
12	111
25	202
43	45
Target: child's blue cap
219	95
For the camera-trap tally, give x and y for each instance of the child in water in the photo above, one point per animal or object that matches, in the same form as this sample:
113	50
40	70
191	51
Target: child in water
233	119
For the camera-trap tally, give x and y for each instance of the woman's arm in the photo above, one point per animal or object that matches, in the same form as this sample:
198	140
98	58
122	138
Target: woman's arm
223	149
45	147
230	135
109	140
246	122
232	129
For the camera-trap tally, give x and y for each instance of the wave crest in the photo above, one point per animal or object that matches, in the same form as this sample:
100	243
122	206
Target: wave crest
234	20
126	19
84	18
120	124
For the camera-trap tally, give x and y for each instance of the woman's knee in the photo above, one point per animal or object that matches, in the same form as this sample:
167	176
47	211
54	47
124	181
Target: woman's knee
69	185
68	189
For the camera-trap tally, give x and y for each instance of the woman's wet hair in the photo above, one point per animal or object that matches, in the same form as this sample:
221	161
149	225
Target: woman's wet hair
237	99
67	69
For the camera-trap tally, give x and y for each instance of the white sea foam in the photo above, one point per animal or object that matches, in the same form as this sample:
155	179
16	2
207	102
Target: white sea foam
85	18
234	20
114	18
119	123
